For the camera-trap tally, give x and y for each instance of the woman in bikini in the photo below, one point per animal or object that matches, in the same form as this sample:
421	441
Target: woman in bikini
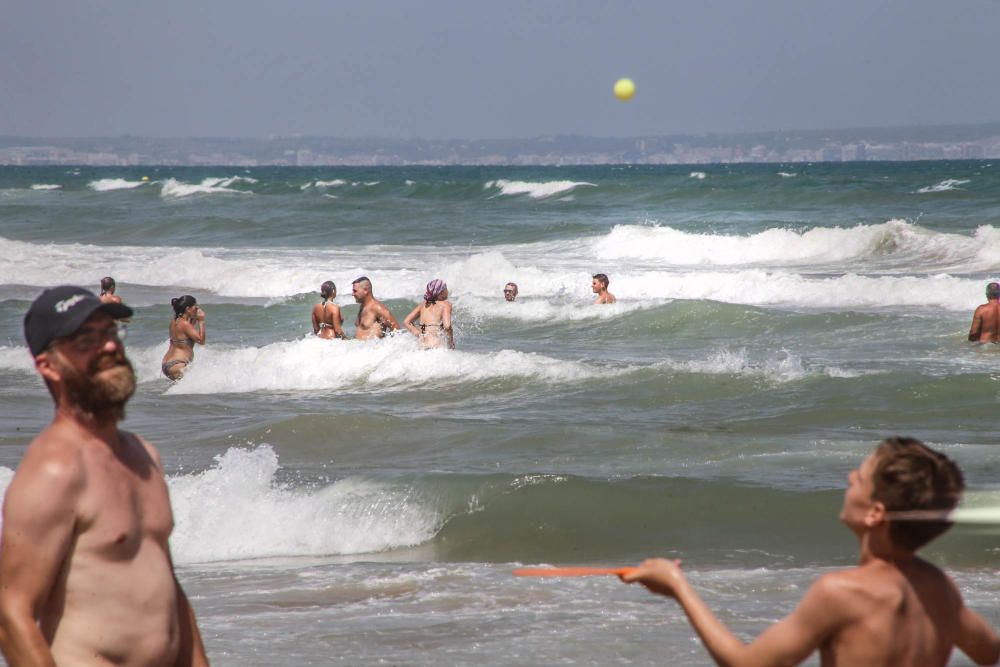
186	329
435	317
327	321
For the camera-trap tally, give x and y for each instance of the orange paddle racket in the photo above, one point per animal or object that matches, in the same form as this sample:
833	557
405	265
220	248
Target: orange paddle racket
570	571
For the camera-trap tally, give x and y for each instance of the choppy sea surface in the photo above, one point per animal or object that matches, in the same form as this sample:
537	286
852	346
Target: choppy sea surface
354	503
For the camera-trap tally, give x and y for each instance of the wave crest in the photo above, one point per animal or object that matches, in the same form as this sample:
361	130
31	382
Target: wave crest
535	190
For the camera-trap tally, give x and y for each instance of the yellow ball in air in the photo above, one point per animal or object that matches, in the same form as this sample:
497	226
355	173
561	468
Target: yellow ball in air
624	89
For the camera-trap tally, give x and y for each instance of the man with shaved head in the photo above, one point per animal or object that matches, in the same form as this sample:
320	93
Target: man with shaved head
374	319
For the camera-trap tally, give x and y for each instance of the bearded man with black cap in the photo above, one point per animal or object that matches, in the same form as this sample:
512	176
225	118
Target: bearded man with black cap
86	576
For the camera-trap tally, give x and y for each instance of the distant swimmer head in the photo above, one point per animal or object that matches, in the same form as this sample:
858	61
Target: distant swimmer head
993	291
328	290
108	285
436	289
600	279
182	303
510	291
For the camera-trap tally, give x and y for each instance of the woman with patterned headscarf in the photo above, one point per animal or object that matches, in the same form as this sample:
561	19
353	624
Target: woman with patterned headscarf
434	315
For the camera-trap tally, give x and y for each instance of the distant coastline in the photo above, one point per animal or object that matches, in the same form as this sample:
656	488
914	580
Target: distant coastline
952	142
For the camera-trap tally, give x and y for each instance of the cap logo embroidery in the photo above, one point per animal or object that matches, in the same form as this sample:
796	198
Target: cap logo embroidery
66	304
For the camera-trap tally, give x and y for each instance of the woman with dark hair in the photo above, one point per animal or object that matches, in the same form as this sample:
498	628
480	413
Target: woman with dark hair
326	318
108	290
186	329
435	317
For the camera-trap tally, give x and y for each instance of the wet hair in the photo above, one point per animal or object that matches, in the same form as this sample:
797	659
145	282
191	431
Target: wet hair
107	285
909	476
328	290
367	284
182	303
602	277
993	291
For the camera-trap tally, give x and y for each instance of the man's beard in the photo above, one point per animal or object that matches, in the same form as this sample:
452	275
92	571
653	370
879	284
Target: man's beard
103	389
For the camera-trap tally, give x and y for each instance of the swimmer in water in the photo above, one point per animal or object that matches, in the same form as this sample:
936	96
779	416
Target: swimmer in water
186	329
326	318
435	317
510	291
986	320
599	285
374	319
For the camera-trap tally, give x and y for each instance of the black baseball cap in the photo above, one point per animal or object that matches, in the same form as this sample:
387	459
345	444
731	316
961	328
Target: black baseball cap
59	311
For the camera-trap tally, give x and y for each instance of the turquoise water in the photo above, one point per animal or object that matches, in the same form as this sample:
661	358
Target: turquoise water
358	503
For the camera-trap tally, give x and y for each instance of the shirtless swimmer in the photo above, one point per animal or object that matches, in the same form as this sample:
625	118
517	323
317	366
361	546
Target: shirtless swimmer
374	319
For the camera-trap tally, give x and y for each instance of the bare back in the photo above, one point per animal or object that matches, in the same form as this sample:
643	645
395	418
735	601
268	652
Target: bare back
892	617
435	324
102	533
986	323
327	320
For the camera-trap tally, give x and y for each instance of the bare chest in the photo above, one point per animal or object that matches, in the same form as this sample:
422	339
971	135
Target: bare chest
121	509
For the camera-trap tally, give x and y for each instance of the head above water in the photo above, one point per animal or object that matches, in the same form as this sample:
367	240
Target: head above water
993	290
361	288
435	290
107	285
328	290
510	291
909	476
602	278
182	303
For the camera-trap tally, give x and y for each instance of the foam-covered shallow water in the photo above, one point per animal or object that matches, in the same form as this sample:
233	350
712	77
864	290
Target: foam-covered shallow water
346	502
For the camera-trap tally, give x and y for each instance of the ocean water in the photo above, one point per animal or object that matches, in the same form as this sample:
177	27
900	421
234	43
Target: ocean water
356	503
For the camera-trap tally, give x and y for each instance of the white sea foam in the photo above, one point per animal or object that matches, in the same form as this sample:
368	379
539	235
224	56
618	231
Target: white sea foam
775	368
391	364
45	186
174	189
698	175
893	239
237	510
16	358
337	182
536	309
108	184
944	186
534	190
887	265
787	174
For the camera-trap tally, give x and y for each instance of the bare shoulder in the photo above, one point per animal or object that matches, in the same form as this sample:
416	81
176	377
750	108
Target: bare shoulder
51	474
150	450
847	592
55	456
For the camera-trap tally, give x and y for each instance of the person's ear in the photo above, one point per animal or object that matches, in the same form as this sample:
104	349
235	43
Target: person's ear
44	364
876	515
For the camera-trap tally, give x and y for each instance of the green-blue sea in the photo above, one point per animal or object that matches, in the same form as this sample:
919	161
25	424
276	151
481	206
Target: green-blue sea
363	503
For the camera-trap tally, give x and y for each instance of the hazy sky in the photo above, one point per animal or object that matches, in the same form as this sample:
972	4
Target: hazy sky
498	69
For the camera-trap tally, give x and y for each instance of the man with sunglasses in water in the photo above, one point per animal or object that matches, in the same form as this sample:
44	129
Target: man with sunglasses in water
986	320
86	576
